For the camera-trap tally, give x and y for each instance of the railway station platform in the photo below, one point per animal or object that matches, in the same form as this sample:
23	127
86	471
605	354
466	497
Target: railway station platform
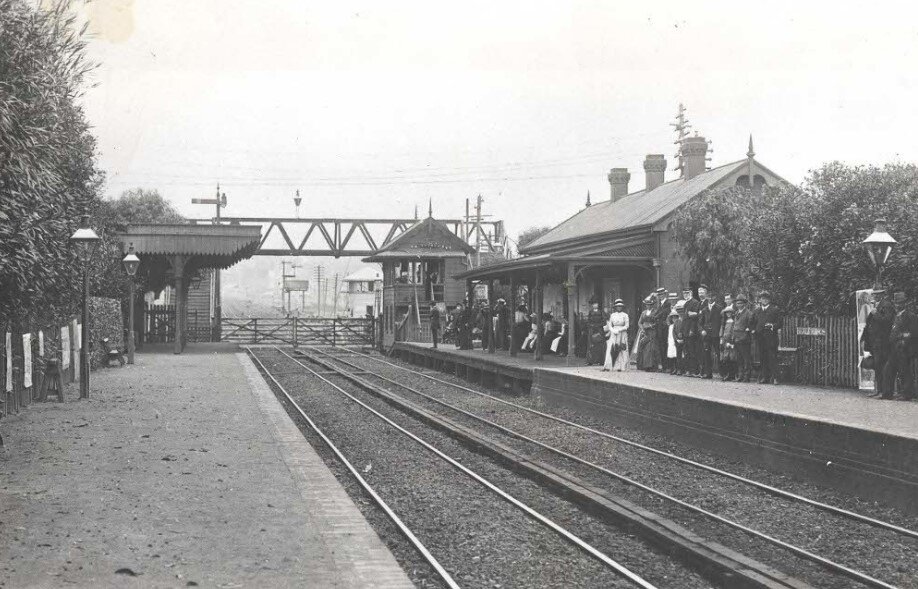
178	471
832	437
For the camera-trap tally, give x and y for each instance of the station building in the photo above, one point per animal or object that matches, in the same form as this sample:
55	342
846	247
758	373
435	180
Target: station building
621	247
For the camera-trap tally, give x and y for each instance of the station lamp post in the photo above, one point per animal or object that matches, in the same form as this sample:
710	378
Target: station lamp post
879	244
85	241
130	263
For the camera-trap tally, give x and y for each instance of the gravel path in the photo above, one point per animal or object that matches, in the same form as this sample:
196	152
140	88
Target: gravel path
482	540
876	552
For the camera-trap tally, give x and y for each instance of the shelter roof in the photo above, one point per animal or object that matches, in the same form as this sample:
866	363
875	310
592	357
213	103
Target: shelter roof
528	264
222	245
429	238
638	209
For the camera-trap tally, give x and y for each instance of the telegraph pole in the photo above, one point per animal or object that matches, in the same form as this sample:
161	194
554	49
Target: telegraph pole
319	270
219	201
335	296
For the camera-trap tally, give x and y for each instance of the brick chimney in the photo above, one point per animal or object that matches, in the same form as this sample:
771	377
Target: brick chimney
654	169
618	180
694	152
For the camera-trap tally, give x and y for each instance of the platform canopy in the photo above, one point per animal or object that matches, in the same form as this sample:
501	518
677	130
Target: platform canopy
174	253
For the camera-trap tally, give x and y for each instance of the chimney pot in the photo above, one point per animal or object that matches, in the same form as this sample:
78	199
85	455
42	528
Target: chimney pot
654	170
694	154
618	180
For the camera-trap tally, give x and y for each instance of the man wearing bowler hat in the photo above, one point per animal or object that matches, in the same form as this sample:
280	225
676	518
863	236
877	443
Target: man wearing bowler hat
662	328
692	334
709	326
768	322
903	340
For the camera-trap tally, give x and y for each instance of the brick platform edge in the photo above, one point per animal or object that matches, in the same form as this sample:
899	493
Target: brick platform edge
869	464
359	555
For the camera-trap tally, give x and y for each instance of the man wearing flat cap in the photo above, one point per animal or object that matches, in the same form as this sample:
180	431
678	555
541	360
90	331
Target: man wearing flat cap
903	341
768	323
743	325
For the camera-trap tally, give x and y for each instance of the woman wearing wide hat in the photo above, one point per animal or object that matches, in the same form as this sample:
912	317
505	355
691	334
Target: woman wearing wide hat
617	343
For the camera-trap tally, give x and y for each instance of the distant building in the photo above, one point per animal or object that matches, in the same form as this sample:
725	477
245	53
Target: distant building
362	292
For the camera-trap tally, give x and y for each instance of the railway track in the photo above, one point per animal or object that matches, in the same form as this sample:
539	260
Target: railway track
723	566
329	361
325	376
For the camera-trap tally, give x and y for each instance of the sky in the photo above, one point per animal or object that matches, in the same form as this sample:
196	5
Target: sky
370	108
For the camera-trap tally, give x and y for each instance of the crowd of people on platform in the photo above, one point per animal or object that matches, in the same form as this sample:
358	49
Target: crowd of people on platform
494	324
689	336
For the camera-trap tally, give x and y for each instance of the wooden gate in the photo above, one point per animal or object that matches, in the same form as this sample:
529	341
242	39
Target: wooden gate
158	324
309	331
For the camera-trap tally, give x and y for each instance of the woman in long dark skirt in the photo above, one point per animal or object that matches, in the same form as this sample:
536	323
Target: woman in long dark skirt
596	337
648	357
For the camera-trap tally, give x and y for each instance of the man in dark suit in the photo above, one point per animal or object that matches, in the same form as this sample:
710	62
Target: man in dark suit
662	328
692	336
502	312
875	339
743	324
903	340
768	323
434	324
709	328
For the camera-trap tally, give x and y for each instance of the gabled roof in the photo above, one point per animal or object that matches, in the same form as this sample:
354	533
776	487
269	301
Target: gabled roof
426	239
366	274
636	210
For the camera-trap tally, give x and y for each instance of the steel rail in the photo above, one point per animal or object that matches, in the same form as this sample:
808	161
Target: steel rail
739	478
822	561
444	574
563	532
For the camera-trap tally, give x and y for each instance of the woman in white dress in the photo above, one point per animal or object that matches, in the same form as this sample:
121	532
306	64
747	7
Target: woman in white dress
617	344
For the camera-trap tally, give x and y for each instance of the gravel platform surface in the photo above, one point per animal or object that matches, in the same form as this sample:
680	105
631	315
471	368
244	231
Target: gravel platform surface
882	554
482	540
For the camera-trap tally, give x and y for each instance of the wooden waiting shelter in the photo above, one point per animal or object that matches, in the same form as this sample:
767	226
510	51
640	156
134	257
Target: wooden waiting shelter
173	254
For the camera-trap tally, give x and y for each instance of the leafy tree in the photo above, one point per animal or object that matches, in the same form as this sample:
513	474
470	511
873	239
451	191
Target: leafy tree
805	243
133	207
531	234
48	174
137	206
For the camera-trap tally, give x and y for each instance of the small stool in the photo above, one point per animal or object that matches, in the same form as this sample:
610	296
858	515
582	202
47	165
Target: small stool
52	382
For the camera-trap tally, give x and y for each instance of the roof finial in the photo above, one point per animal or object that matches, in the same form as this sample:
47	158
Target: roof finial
415	211
588	198
751	153
430	207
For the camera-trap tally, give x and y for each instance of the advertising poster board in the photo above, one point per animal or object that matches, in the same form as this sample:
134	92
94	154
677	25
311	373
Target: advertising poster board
865	304
41	343
27	360
65	347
